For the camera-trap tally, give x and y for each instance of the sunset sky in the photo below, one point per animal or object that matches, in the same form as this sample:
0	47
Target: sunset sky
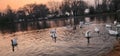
15	4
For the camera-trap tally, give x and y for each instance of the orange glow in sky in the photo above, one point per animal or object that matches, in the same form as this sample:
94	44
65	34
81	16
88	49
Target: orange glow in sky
15	4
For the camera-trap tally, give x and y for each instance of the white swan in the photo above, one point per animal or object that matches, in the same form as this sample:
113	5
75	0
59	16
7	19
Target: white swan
14	41
87	34
53	33
115	22
96	30
108	26
118	26
81	24
112	32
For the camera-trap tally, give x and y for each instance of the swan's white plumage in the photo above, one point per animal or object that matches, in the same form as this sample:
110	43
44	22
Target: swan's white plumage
14	41
112	32
108	25
87	34
81	23
118	25
53	33
115	22
96	29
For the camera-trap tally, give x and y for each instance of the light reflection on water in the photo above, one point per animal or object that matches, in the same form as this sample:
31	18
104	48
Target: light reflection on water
62	22
26	26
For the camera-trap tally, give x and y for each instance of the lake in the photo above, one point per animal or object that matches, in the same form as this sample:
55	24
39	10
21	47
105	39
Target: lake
58	22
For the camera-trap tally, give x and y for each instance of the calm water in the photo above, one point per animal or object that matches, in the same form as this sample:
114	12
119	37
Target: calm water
59	23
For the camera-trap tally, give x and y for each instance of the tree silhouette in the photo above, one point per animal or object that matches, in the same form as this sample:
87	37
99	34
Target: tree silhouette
116	4
53	6
66	7
77	7
7	21
40	11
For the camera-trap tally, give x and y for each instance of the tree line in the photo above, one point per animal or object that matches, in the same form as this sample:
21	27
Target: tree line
35	12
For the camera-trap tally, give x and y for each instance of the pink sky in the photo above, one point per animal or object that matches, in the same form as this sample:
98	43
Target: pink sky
15	4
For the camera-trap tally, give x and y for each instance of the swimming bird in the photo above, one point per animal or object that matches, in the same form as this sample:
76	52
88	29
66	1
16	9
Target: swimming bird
115	22
118	26
114	33
81	24
97	30
88	36
14	43
108	26
53	34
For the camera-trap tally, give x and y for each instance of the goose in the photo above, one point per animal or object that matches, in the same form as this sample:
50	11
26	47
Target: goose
96	30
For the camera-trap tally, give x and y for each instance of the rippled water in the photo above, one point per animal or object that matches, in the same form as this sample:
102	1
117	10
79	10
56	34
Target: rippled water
69	42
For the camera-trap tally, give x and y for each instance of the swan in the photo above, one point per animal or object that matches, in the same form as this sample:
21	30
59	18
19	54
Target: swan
108	26
87	34
53	34
81	24
115	33
96	30
53	31
112	32
115	22
118	26
14	43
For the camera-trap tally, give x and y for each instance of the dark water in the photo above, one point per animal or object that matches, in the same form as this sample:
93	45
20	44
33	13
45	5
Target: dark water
26	26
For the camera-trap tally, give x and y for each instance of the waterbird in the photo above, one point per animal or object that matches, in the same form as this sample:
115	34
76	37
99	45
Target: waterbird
88	36
118	26
115	22
81	24
97	30
53	34
115	33
14	43
108	26
112	32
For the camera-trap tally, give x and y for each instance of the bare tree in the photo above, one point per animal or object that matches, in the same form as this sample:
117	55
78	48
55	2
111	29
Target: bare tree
40	10
54	6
